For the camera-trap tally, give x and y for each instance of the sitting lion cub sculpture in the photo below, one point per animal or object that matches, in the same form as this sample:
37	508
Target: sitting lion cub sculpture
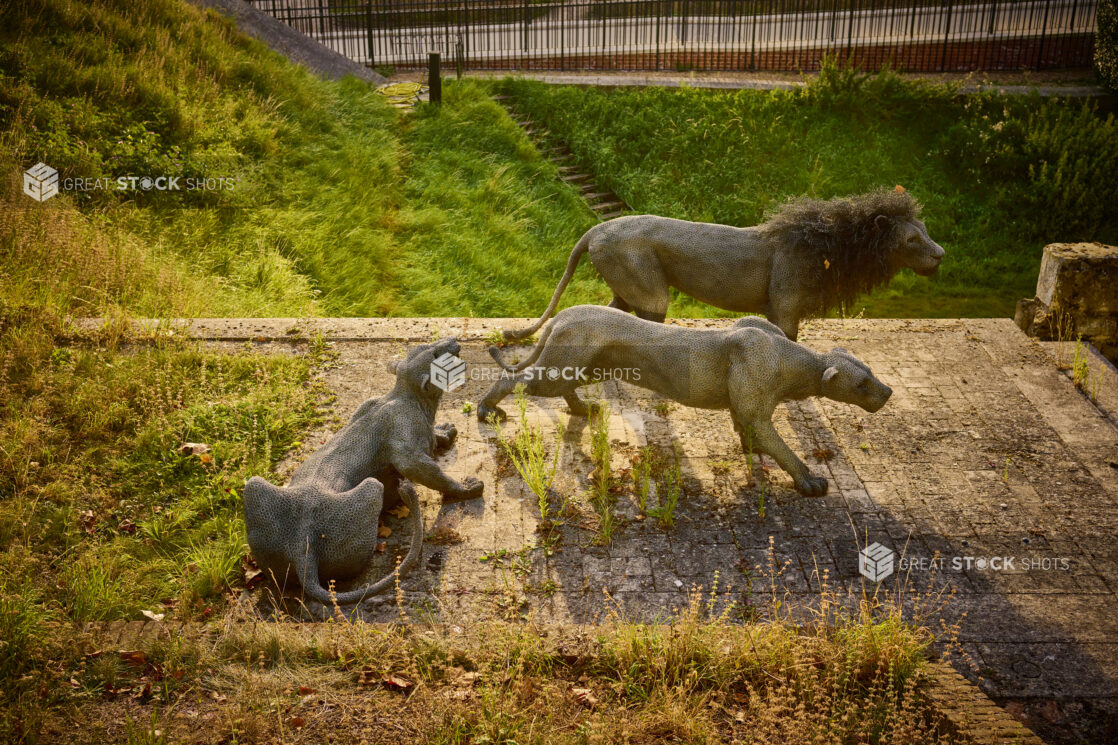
749	369
810	257
323	525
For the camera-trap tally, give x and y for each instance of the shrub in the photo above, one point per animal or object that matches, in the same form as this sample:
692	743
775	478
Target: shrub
1106	44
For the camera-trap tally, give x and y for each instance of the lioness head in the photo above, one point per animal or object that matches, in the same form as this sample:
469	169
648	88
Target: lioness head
912	247
847	379
414	371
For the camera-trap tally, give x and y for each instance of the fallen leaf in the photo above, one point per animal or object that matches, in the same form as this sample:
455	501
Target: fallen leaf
444	534
305	691
384	531
206	458
134	657
585	696
899	189
250	572
296	722
127	526
397	682
382	547
153	615
400	511
468	679
194	448
823	453
826	264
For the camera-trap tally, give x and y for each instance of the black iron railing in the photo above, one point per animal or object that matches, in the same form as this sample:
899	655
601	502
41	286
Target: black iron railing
701	34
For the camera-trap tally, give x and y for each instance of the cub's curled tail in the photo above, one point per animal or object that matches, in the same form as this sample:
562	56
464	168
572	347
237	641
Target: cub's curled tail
273	518
580	248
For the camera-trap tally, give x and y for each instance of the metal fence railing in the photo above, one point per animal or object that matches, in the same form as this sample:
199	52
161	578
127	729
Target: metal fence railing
700	34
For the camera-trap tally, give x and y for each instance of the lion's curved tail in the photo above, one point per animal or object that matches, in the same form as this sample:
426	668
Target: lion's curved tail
580	248
495	353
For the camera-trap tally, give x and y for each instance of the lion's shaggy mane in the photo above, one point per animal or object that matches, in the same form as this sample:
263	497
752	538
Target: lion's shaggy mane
840	249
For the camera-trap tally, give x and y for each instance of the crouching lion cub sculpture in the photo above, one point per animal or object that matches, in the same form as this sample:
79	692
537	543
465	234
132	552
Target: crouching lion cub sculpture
749	369
323	525
810	257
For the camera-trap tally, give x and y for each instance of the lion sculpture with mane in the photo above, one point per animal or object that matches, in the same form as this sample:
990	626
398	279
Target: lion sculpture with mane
811	256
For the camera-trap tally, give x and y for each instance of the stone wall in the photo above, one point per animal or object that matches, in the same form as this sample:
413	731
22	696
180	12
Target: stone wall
1076	295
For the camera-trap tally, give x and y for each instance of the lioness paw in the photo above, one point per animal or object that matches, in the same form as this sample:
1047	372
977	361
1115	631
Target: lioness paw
484	413
812	486
445	434
471	488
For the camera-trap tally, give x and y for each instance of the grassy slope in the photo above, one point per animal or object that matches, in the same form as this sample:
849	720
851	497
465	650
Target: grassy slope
341	205
999	176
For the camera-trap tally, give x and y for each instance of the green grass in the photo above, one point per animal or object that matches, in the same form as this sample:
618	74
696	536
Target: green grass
339	205
999	176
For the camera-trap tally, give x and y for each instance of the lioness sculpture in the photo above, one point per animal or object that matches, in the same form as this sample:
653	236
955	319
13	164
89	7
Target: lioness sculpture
749	369
324	523
808	258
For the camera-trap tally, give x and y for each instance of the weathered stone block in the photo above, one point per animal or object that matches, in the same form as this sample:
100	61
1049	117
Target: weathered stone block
1080	278
1076	296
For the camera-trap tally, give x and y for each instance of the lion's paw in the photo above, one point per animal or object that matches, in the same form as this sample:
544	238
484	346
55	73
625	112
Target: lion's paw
812	486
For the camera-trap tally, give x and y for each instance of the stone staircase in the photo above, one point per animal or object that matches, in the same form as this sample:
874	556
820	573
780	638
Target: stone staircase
602	202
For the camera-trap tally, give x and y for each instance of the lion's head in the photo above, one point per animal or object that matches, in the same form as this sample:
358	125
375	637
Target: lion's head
844	247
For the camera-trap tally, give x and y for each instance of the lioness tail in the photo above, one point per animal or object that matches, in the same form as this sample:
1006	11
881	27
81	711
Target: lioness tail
495	353
580	248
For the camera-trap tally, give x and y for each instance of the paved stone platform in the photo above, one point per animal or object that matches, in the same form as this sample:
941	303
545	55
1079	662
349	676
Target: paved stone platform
985	451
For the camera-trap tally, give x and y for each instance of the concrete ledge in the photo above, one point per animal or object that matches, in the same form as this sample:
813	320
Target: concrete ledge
422	329
298	329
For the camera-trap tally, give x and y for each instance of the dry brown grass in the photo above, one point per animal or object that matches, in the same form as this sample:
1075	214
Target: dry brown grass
854	678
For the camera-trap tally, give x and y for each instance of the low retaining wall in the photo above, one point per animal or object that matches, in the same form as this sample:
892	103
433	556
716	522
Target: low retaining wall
1038	53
